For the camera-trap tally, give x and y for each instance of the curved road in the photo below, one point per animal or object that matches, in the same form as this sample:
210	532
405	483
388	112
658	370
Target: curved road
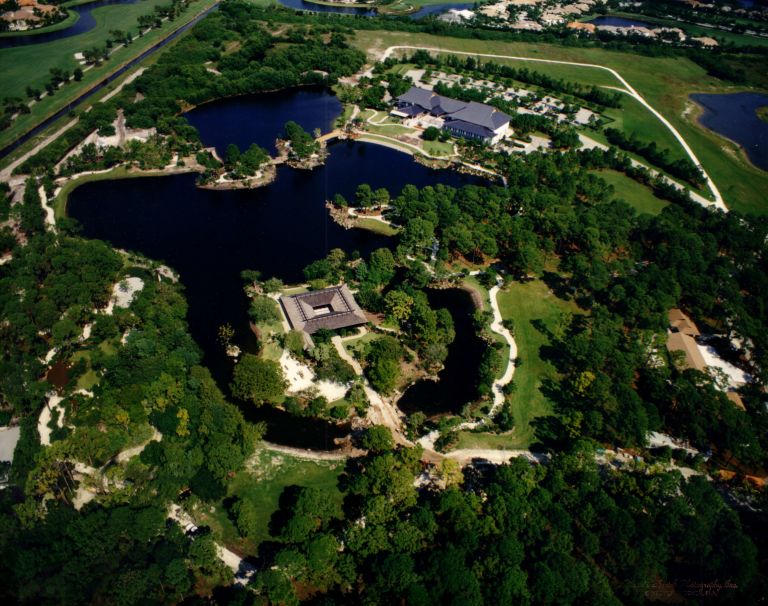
710	183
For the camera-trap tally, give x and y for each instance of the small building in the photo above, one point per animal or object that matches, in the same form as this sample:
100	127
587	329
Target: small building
331	308
582	27
682	337
680	322
678	341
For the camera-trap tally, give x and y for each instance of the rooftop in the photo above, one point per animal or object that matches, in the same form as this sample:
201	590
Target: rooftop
331	308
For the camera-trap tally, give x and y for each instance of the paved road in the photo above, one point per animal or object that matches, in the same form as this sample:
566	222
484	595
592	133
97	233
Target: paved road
710	183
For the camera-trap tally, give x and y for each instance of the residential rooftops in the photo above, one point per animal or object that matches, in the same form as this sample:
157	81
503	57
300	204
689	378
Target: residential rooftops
331	308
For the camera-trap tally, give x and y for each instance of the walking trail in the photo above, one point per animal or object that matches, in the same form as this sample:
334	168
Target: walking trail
719	203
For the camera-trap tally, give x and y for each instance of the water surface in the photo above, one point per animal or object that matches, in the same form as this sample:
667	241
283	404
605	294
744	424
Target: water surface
260	118
620	22
735	116
457	384
209	237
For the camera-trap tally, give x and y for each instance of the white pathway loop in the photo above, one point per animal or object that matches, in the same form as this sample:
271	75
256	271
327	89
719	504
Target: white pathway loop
712	187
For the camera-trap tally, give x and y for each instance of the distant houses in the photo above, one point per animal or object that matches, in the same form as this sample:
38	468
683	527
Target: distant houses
472	120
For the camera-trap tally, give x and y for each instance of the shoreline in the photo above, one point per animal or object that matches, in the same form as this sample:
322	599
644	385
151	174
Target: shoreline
700	110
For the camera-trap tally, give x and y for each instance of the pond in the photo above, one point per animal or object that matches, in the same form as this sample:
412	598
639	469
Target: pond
457	384
85	23
620	22
260	118
735	116
433	9
209	237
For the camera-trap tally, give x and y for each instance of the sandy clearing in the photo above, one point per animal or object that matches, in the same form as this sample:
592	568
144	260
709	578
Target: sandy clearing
301	377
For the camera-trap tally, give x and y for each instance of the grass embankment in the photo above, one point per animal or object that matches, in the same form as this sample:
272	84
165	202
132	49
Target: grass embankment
29	65
638	196
404	7
762	113
262	482
376	226
665	83
525	304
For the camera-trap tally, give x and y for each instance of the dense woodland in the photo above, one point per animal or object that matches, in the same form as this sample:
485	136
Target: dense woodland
569	531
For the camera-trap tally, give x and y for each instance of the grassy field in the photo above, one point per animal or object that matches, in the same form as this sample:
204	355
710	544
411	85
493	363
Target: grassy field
267	475
376	226
525	304
29	65
638	196
665	82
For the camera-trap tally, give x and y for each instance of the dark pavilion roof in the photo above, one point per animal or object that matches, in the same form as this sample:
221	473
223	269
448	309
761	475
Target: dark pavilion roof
481	115
484	118
330	308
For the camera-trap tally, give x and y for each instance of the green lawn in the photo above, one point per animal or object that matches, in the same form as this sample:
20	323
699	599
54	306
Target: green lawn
665	82
638	196
266	476
376	226
30	65
438	148
524	304
355	347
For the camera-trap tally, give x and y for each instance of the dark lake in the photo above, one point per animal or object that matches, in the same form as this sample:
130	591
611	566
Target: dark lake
434	9
85	23
209	237
322	8
620	22
735	116
457	383
260	118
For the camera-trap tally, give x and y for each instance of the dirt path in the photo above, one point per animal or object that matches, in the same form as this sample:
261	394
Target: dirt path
242	570
5	174
719	203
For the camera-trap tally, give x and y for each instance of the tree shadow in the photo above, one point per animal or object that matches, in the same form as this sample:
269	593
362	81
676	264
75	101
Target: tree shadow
557	284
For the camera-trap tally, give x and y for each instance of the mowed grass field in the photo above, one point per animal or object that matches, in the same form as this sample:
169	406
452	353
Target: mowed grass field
267	475
24	66
525	304
30	65
638	196
664	82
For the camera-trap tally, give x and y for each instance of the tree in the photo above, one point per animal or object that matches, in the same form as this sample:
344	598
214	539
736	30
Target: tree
431	133
263	310
246	516
258	380
378	439
364	195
